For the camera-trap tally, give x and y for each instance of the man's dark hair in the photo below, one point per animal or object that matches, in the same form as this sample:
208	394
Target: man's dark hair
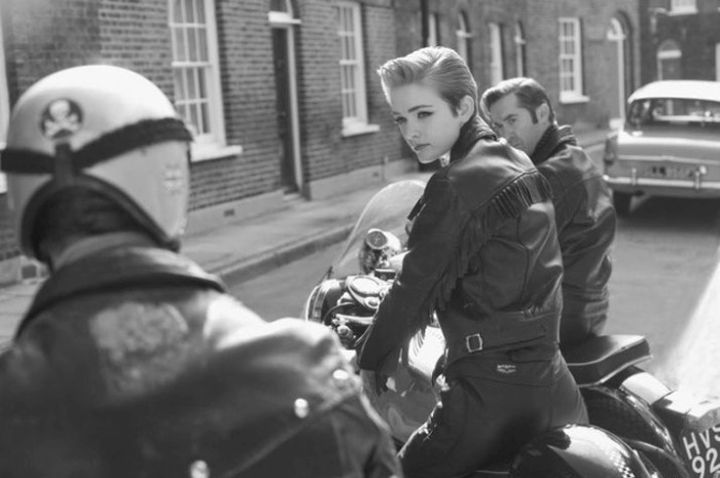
530	94
77	212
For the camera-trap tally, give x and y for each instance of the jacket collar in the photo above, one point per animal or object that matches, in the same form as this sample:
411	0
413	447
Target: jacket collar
554	137
117	269
470	133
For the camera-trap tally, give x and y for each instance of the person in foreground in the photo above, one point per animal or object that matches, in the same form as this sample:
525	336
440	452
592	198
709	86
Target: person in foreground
520	111
483	254
131	360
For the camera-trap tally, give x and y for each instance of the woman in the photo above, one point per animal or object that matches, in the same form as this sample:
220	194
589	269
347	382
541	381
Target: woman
483	254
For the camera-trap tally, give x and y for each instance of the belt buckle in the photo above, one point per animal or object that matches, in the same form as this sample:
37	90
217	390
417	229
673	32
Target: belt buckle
473	343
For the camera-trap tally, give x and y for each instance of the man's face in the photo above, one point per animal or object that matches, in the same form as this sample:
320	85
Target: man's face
515	123
426	121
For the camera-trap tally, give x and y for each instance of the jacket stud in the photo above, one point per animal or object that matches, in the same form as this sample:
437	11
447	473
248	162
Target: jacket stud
199	469
302	408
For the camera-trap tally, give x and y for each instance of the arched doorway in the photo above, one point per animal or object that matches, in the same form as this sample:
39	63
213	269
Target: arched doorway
282	23
618	39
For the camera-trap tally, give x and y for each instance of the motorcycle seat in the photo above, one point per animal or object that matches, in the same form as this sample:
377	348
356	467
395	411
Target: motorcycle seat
596	359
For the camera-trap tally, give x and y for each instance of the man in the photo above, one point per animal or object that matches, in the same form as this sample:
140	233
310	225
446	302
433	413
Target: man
520	111
132	361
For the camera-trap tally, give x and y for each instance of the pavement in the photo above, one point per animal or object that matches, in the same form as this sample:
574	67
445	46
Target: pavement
240	251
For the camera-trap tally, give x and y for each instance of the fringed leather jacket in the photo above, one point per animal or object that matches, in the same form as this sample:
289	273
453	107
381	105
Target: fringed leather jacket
136	363
482	253
586	229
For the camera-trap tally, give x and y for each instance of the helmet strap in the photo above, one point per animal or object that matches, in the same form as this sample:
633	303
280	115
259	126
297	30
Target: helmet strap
65	168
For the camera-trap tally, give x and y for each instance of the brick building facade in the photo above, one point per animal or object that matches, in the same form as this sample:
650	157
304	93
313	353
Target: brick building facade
282	94
681	39
523	38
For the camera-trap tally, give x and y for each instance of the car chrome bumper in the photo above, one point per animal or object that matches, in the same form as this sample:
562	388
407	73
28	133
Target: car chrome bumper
670	187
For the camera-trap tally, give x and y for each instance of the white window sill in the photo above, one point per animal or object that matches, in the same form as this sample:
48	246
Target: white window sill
573	98
360	128
677	13
207	152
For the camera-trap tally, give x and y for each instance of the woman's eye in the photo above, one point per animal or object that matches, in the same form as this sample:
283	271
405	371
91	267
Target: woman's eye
424	114
399	120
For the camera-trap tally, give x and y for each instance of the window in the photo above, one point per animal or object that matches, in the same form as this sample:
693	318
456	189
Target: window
196	72
433	38
352	70
519	49
571	80
4	104
463	38
683	6
496	54
669	58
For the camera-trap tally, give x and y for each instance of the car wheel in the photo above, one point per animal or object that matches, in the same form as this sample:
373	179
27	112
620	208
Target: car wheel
621	201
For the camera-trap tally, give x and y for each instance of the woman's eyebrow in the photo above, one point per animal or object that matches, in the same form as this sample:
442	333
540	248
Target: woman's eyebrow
417	107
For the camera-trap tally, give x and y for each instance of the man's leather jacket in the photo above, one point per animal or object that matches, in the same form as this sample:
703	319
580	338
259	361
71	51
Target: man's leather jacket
136	363
586	229
483	253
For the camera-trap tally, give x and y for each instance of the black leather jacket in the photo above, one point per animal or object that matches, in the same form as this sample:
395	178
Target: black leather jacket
586	229
483	252
136	363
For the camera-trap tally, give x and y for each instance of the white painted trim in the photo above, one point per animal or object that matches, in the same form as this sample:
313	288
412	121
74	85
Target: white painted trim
616	34
496	58
4	102
577	73
356	129
361	114
294	98
520	42
216	137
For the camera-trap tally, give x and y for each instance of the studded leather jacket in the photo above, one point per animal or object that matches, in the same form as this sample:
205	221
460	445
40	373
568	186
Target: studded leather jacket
136	363
482	253
586	229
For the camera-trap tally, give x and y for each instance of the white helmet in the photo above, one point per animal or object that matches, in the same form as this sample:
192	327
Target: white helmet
104	128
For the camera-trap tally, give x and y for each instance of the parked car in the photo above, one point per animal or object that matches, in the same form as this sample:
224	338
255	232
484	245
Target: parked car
669	144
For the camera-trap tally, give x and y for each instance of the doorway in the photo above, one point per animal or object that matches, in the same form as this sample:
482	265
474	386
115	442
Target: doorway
282	25
618	40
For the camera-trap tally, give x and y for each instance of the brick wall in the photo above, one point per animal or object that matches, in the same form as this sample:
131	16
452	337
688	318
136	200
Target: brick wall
696	35
42	36
325	151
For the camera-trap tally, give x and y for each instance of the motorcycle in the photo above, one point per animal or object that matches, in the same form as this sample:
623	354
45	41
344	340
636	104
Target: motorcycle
676	435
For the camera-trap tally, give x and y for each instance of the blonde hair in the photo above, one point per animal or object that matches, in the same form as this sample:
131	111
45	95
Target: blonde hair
435	66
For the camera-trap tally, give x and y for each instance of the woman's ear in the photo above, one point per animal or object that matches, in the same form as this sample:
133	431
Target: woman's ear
466	108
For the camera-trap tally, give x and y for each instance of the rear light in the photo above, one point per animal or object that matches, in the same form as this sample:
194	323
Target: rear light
610	154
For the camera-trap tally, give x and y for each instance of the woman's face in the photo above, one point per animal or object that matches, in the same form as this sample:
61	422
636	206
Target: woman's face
427	123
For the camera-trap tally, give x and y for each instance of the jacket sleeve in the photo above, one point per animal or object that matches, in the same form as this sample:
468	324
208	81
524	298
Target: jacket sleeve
586	227
432	247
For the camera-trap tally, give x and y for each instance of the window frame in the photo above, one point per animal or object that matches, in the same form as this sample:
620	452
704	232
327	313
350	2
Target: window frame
433	38
520	42
575	74
497	65
4	103
664	54
358	123
464	37
211	144
683	7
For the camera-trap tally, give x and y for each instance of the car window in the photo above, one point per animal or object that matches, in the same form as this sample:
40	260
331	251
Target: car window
674	111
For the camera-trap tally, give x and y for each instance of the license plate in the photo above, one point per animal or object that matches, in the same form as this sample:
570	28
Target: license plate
702	451
671	172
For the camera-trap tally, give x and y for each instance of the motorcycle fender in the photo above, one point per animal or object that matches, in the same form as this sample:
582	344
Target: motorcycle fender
627	415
